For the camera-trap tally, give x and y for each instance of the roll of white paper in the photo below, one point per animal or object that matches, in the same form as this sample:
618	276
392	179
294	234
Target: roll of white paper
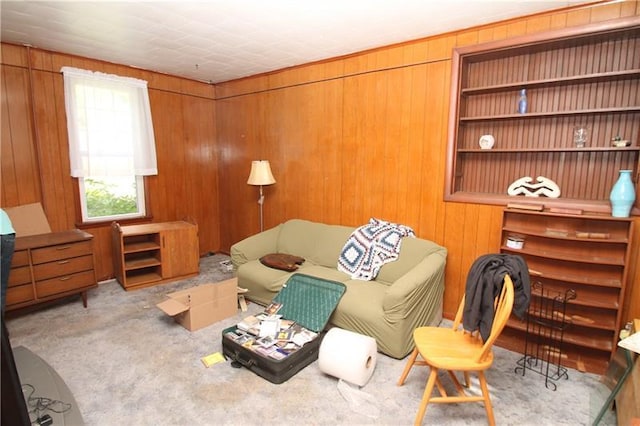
348	356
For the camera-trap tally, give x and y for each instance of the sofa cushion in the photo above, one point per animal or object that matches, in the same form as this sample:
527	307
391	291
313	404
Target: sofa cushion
328	249
412	251
319	243
323	272
298	237
261	276
251	248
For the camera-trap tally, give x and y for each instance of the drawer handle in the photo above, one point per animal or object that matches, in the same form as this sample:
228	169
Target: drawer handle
63	247
62	262
67	278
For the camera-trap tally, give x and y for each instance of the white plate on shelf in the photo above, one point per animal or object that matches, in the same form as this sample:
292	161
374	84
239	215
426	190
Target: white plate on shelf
486	141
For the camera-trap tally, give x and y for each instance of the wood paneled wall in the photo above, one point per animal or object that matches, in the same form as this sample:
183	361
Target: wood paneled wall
347	139
365	136
35	154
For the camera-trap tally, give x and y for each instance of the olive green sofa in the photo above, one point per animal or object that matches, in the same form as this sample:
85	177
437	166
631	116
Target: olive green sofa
407	293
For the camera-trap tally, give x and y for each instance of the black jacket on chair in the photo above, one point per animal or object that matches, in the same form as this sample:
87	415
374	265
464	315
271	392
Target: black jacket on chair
484	284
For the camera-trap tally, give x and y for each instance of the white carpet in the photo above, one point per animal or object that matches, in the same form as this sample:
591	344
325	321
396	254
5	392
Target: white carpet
127	363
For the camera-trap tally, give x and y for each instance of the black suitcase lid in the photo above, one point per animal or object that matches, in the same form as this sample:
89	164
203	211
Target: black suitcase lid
309	301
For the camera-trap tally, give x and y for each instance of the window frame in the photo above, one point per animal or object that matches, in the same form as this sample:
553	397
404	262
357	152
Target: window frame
141	194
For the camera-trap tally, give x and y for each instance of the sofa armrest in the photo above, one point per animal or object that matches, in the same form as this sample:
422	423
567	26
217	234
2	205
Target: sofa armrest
255	246
410	290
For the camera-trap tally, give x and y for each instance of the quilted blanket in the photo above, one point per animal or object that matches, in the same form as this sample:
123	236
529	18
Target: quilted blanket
371	246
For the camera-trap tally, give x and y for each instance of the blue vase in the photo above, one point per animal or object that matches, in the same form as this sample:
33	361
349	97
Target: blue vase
622	196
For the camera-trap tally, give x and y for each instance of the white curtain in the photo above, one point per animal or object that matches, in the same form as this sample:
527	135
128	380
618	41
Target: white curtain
109	125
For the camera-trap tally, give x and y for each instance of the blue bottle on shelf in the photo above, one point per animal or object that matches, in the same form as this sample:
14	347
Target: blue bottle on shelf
522	102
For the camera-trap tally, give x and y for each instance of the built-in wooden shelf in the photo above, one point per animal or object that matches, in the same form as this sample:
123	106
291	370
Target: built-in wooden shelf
586	76
596	269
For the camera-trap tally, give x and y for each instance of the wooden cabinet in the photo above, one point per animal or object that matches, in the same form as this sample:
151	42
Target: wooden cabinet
50	266
585	253
155	253
585	77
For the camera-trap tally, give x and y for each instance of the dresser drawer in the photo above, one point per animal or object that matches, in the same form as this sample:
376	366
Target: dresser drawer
19	276
62	267
19	294
66	283
61	251
20	258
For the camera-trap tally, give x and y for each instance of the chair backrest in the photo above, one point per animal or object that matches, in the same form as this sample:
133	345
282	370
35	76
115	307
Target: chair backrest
503	307
502	311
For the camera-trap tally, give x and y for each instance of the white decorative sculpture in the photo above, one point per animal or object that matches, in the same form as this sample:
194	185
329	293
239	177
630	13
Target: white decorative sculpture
525	185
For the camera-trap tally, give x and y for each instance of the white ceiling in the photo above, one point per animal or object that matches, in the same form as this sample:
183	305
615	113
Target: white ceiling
220	40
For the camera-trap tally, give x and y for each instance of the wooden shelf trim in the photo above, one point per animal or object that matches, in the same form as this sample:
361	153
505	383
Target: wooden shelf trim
595	206
599	320
586	216
581	279
131	264
576	79
575	357
593	303
141	246
552	114
568	257
568	237
139	279
544	150
601	343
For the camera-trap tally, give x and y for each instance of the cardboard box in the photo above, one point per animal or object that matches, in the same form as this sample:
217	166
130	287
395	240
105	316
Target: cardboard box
28	219
200	306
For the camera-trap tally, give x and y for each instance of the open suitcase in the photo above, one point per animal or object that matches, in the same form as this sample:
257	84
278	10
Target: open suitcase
305	304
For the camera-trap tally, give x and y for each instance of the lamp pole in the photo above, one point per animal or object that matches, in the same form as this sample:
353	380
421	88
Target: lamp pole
261	202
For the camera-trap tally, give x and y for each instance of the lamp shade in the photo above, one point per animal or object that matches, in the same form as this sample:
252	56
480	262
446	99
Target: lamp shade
261	173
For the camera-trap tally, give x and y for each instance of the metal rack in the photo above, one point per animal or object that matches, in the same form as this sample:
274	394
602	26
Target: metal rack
546	323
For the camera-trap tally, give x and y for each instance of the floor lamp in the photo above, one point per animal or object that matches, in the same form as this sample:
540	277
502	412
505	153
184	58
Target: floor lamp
261	175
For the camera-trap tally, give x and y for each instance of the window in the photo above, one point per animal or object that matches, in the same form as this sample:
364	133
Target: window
111	197
111	143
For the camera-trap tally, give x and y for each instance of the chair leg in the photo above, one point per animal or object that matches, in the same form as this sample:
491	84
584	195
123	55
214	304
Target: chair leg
426	396
467	379
407	368
487	400
457	384
440	387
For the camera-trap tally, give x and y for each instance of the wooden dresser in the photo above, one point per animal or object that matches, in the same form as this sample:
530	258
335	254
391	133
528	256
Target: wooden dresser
51	266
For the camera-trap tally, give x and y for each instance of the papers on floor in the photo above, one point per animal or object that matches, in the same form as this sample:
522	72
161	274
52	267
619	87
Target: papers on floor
213	358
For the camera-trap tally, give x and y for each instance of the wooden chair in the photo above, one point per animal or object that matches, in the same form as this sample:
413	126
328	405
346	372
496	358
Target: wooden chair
453	349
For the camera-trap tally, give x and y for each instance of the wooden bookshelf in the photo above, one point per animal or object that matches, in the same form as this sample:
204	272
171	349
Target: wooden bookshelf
586	76
155	253
562	259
